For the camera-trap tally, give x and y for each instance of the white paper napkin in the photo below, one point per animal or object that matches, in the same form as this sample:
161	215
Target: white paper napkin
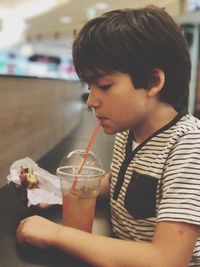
48	188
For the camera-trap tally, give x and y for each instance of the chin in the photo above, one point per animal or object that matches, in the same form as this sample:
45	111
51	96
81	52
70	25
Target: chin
109	131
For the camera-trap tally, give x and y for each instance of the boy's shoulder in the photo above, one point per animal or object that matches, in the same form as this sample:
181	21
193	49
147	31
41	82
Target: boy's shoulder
189	123
186	126
186	130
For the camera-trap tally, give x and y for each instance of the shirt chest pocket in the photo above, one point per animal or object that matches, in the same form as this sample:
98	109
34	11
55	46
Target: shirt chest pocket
140	198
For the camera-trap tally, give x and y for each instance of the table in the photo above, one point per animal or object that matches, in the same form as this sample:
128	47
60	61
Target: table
13	254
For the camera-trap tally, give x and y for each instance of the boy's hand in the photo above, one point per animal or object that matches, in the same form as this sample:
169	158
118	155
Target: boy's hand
38	231
105	185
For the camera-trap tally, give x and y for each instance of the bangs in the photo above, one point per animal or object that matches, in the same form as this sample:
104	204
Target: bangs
91	63
94	51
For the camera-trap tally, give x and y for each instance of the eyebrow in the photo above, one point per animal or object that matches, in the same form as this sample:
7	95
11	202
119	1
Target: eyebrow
94	78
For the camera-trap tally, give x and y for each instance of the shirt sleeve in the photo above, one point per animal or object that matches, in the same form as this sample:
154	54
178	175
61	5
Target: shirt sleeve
180	199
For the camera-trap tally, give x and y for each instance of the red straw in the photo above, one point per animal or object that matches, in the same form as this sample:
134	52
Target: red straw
87	150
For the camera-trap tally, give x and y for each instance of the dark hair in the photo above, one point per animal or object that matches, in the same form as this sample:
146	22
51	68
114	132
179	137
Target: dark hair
135	41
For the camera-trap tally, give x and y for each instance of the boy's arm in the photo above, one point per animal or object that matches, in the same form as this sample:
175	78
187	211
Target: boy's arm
105	185
172	245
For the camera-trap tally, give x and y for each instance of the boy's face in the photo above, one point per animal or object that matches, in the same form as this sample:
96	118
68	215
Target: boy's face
116	101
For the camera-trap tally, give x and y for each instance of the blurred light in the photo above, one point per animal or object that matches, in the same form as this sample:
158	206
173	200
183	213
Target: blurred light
27	50
65	19
101	6
13	20
193	5
34	7
91	13
3	12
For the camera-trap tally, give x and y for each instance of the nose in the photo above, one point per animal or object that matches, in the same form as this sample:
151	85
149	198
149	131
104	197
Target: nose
92	100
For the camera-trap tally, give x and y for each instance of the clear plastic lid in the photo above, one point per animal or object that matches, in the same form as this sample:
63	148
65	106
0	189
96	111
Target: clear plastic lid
74	159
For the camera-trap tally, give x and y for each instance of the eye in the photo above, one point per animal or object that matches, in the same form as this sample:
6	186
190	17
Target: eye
105	86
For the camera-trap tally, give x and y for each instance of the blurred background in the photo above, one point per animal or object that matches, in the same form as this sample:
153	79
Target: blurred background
35	45
36	35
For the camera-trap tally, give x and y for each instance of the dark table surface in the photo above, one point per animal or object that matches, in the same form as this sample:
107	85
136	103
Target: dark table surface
13	254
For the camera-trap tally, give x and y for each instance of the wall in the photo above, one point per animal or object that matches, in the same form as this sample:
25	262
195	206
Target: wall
35	115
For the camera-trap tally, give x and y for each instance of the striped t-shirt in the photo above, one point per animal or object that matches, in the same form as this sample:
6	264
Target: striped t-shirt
158	180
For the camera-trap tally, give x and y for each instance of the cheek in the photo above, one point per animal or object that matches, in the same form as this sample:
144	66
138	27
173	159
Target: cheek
129	113
126	106
123	118
130	107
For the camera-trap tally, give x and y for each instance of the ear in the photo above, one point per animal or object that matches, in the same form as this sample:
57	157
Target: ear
157	82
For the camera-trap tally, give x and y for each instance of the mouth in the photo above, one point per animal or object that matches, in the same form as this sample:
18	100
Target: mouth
101	119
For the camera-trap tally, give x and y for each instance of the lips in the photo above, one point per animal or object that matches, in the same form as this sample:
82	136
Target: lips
101	119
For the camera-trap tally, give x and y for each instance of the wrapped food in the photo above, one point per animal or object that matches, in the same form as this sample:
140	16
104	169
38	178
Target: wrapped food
27	178
35	186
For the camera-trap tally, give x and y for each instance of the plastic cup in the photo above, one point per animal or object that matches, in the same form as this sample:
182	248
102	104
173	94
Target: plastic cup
79	202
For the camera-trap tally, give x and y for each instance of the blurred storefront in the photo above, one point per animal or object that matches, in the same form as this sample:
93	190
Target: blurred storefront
44	49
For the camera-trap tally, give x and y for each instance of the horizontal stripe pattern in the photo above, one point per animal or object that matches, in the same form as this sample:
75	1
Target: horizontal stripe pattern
173	158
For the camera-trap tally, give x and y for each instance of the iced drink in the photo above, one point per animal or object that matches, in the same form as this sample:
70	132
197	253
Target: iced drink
79	202
78	211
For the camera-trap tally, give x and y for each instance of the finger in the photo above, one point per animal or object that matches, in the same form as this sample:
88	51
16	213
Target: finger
19	231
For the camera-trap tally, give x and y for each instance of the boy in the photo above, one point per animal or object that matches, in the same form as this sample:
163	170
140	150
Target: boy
137	67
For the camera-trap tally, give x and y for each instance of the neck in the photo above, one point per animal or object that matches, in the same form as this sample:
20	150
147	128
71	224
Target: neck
153	121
